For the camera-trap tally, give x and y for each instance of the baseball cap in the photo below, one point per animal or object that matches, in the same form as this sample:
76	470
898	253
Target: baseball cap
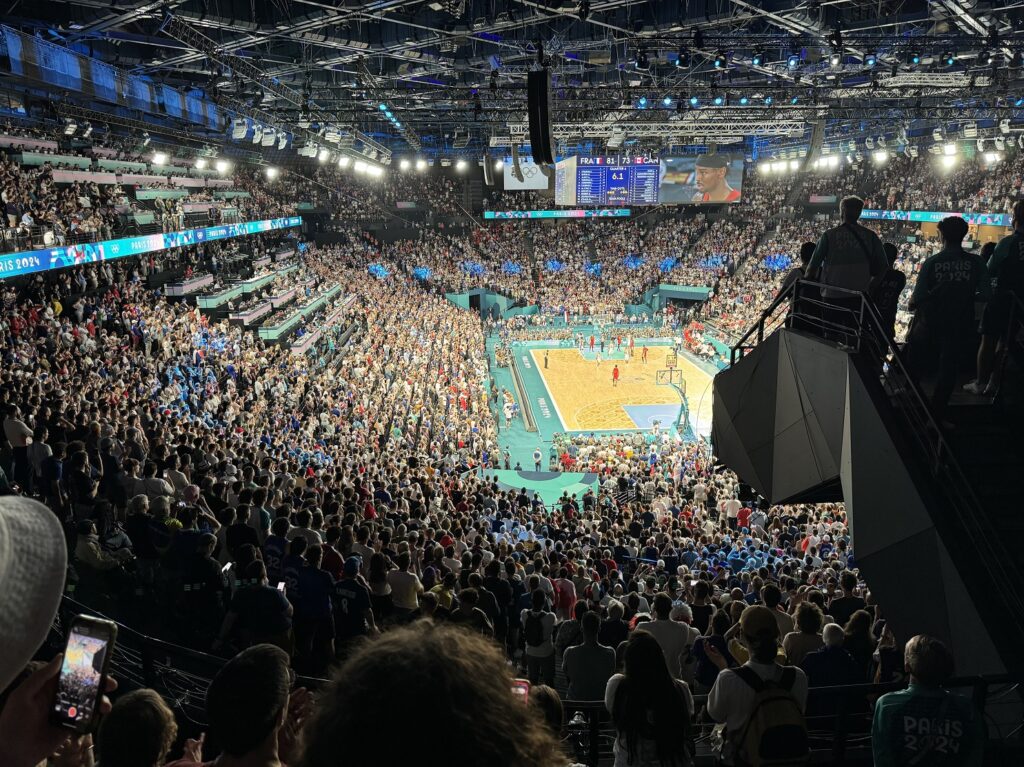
33	563
757	621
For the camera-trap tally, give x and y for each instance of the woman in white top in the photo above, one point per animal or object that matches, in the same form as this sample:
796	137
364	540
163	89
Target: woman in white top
651	711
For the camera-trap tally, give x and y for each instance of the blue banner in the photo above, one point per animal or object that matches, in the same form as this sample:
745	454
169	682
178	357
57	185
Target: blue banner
515	214
14	264
935	216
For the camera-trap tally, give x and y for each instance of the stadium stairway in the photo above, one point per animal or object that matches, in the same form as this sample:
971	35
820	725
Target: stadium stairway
805	419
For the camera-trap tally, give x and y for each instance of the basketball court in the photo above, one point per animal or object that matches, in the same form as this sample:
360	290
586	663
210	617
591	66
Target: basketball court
585	398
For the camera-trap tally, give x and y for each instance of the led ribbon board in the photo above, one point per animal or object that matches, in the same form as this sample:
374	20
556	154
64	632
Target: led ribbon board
27	262
524	214
935	216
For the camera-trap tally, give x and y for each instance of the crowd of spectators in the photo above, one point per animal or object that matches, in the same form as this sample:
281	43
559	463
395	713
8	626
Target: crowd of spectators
323	511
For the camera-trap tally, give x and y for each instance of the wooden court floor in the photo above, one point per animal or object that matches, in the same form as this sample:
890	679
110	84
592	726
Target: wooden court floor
586	400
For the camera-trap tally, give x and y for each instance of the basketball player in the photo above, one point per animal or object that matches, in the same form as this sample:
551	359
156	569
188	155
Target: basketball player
643	354
711	170
615	376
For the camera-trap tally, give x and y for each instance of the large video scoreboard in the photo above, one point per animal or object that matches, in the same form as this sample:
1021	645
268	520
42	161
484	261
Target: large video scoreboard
607	181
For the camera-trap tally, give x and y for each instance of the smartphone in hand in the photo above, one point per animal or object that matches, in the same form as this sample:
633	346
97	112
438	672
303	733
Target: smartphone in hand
83	671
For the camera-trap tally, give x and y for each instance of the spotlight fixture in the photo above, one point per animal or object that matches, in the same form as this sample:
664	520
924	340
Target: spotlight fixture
914	58
744	101
758	58
836	39
159	158
718	101
768	101
272	173
324	155
667	101
344	161
222	166
949	150
404	165
795	100
201	163
642	102
871	59
721	61
880	157
421	165
1016	60
499	164
683	59
641	61
949	58
835	59
460	166
793	61
986	57
694	102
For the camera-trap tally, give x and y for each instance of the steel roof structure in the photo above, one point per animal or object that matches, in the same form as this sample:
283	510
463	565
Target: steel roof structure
448	77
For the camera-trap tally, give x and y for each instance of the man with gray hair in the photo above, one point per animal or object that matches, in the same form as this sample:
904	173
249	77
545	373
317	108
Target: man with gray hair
831	664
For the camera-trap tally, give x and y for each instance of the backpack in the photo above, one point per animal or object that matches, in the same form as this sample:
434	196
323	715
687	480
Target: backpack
533	631
776	732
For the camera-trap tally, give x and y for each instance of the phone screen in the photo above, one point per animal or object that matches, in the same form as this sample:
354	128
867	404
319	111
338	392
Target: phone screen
81	674
521	689
280	586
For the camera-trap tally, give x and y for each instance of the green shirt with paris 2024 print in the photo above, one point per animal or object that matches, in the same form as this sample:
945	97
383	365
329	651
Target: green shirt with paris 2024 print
926	727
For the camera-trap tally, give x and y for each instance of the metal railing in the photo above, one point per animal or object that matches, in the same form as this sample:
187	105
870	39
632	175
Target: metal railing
854	323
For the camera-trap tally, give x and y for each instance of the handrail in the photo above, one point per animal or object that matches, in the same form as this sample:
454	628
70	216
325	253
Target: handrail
867	327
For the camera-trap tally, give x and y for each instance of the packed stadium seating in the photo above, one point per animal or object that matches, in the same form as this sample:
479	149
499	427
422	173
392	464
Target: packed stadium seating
193	461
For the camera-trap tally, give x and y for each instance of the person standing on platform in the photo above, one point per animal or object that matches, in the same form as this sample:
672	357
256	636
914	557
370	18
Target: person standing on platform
537	455
943	304
615	376
591	342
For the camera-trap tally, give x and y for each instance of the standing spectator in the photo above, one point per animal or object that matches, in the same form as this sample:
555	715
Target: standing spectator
674	637
588	666
538	625
651	710
841	608
807	637
1006	271
405	588
886	290
19	436
925	724
848	257
859	642
943	306
733	697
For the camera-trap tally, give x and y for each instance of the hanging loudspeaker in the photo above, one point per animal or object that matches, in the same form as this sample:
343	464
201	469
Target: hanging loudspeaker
488	172
539	107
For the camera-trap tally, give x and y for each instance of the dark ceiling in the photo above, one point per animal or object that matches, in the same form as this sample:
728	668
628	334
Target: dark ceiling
453	74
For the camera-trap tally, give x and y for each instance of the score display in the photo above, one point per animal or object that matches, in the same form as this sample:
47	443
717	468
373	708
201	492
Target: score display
607	181
643	180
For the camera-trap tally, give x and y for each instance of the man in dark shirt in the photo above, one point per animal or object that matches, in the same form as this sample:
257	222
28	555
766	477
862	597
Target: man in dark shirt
314	624
841	608
353	615
259	613
943	302
1006	271
205	588
886	289
502	591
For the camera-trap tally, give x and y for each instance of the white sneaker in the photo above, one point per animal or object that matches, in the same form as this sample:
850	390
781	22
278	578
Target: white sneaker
975	387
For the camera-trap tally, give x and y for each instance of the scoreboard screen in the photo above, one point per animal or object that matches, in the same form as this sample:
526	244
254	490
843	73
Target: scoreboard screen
643	180
611	181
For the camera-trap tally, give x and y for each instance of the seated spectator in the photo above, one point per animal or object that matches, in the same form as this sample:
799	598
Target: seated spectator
925	724
389	679
651	710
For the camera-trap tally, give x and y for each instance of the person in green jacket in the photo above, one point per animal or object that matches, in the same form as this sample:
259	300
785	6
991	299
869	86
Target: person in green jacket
925	725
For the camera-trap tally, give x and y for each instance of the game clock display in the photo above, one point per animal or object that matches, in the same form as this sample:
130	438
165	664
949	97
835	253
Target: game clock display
616	181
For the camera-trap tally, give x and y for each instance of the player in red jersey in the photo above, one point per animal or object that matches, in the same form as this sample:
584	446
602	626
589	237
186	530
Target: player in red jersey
711	184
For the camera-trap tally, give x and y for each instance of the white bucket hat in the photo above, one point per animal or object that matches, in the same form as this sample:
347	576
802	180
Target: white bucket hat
33	564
